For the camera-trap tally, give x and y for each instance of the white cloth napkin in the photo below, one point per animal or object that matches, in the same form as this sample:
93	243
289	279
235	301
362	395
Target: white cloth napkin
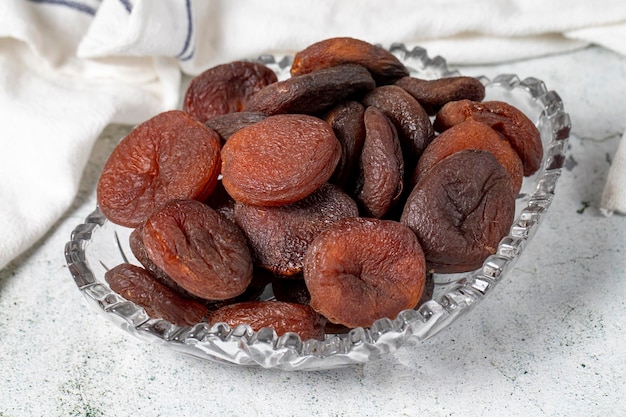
70	67
614	194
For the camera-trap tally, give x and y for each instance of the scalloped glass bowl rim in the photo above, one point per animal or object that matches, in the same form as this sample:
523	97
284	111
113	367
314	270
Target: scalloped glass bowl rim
456	297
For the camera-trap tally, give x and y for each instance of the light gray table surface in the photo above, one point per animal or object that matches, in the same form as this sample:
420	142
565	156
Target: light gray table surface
548	341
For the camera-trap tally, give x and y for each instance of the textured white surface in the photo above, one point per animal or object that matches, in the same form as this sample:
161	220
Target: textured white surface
548	340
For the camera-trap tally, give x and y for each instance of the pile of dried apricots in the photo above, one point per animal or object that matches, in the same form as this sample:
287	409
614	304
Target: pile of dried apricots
343	187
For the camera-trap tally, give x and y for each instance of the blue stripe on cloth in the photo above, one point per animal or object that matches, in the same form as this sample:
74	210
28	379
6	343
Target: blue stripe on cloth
127	5
188	56
182	56
81	7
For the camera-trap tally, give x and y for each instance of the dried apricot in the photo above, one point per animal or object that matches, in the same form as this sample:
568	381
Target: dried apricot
381	168
414	127
460	210
221	201
505	119
359	270
346	119
201	250
281	316
279	236
312	93
384	66
472	135
170	156
138	249
225	88
291	290
227	124
433	94
137	285
279	160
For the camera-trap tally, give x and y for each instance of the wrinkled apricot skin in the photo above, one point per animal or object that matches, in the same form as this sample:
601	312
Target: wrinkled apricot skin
201	250
312	93
434	94
359	270
138	249
460	210
471	134
225	88
414	127
381	179
136	284
279	160
505	119
346	120
170	156
383	65
281	316
279	236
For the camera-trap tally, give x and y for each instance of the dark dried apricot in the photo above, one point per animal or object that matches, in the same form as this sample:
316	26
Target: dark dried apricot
221	201
281	316
414	127
505	119
279	160
291	290
312	93
381	168
433	94
225	88
384	66
201	250
170	156
279	236
359	270
346	119
472	135
137	285
460	210
227	124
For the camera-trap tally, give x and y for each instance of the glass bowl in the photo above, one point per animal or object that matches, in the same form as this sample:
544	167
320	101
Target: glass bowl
98	244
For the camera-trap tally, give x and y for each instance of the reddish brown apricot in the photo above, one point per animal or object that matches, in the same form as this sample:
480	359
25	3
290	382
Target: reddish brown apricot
225	88
381	167
137	285
472	135
383	65
138	249
433	94
346	119
312	93
201	250
359	270
281	316
279	236
170	156
460	210
505	119
414	127
279	160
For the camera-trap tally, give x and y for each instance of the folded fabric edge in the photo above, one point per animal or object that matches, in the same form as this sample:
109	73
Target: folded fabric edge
613	198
